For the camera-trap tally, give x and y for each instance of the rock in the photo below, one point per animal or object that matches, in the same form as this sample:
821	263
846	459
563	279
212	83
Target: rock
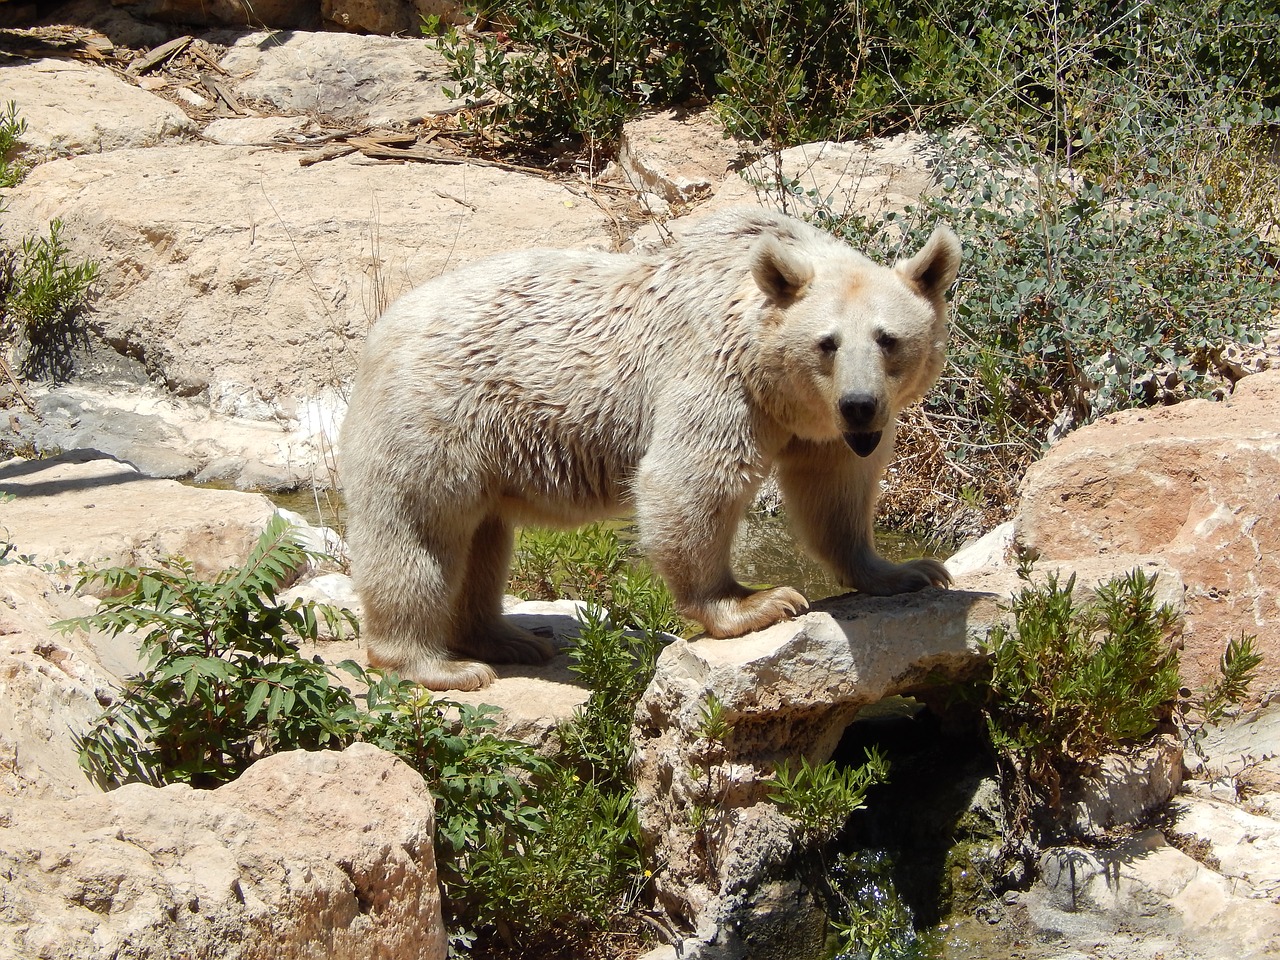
680	156
83	508
169	437
231	13
869	178
74	108
377	80
259	302
306	855
1197	483
52	685
789	690
1242	752
1145	885
254	131
389	16
1131	785
993	549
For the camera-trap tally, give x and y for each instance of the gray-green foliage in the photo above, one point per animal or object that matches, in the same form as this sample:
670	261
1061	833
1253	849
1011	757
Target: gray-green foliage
1074	290
12	127
784	72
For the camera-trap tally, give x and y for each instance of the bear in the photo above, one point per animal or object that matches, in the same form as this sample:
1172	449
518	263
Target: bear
556	387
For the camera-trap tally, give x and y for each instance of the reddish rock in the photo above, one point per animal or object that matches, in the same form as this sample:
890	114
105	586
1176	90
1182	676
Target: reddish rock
1197	483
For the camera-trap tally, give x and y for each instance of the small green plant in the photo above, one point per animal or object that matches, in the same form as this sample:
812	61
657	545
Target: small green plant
1071	681
224	683
42	297
821	797
596	565
12	127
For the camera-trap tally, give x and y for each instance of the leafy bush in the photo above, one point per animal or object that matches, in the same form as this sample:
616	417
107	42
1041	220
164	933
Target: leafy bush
528	844
224	683
12	127
784	72
596	565
821	797
1072	681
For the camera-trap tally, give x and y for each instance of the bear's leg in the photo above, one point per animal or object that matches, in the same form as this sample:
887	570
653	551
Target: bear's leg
830	496
689	541
479	628
408	573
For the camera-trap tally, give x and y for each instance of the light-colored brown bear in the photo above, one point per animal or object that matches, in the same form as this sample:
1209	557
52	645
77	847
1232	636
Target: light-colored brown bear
557	387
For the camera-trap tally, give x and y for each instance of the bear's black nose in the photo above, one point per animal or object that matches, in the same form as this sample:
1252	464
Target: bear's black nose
859	410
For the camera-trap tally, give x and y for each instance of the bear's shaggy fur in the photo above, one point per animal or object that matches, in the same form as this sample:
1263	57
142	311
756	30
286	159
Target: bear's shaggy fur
556	387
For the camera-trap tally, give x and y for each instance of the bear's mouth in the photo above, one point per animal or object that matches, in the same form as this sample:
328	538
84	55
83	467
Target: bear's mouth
863	443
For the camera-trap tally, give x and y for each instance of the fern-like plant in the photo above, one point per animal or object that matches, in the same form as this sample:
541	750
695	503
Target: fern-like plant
224	682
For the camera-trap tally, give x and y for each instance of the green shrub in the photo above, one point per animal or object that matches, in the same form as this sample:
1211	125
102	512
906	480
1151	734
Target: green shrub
12	127
42	297
821	797
782	72
528	844
224	683
1072	681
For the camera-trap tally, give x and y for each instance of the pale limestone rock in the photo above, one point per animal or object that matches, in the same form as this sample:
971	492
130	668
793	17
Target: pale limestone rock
865	177
308	855
1129	787
375	79
81	508
52	684
1143	884
259	301
74	108
679	156
1246	846
1197	483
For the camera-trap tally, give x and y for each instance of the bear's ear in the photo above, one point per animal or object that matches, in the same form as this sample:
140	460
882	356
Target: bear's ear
934	268
782	272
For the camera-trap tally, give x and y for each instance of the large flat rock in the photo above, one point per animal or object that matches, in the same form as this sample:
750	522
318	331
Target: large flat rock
244	276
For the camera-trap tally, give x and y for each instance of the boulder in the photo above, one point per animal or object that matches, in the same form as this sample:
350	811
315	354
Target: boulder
1198	484
1144	885
73	108
862	177
375	80
307	855
52	685
258	302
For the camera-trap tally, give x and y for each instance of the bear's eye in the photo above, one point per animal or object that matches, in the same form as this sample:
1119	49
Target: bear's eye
829	344
886	341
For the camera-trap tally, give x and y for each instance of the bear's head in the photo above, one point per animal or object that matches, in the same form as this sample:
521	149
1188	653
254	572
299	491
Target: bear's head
844	343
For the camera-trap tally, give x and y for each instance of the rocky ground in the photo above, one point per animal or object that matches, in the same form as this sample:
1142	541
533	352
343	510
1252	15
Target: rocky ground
255	199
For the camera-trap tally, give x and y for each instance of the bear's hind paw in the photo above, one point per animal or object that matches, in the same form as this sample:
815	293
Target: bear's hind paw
437	673
504	642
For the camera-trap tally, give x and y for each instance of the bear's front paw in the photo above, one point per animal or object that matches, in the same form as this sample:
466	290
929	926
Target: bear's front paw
732	617
914	575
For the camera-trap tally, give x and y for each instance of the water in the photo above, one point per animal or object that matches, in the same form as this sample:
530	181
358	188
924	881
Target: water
764	553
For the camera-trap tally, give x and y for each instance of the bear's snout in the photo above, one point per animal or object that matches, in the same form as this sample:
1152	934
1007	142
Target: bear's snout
859	411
